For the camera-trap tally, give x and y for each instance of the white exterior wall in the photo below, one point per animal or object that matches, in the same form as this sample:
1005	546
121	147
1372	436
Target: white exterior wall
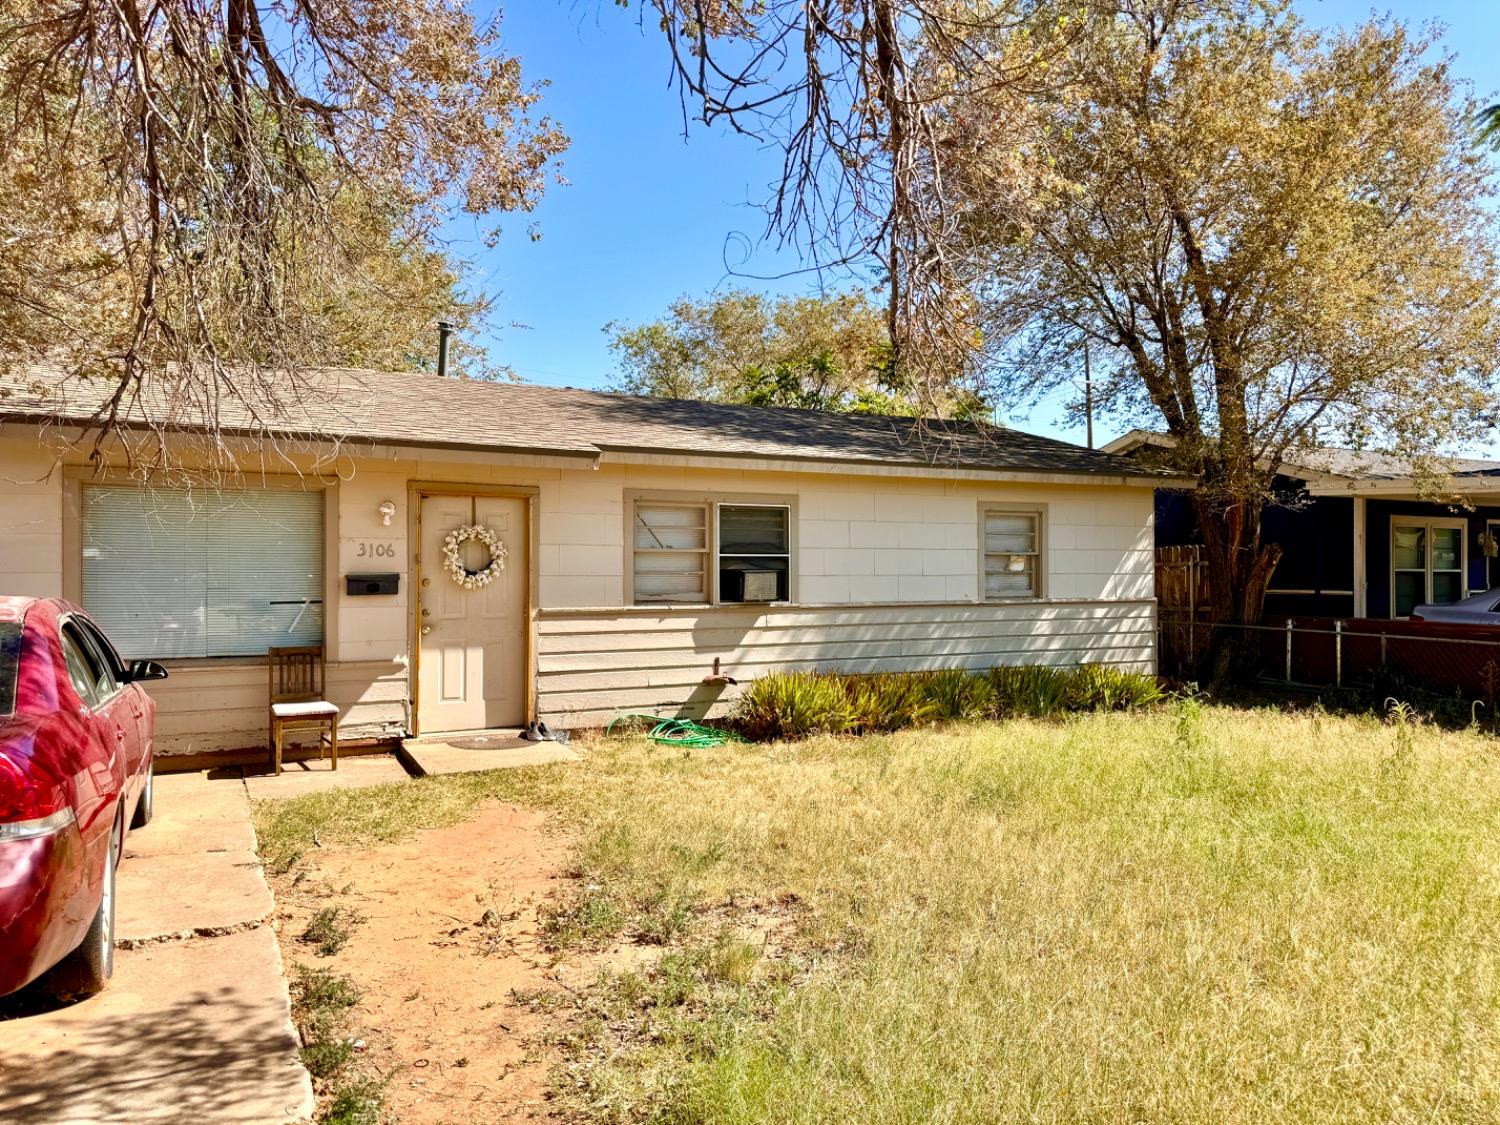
860	539
886	574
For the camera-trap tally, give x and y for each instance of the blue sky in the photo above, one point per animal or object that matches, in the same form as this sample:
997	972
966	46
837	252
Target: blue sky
648	215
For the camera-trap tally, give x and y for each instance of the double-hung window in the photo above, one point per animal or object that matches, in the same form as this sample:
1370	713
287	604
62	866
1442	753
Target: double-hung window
1012	554
1428	557
173	573
702	552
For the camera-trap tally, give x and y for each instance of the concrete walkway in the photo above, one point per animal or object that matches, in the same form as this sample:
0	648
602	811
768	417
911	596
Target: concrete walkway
196	1024
315	776
475	751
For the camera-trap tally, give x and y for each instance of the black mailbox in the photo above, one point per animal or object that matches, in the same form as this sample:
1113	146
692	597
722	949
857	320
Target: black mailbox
356	585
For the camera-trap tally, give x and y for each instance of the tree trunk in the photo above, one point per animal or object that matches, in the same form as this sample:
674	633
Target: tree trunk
1240	568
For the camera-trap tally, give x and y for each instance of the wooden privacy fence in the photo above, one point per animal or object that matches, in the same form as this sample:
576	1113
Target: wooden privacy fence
1182	599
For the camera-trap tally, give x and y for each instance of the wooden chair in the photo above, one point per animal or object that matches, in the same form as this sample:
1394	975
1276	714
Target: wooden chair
297	702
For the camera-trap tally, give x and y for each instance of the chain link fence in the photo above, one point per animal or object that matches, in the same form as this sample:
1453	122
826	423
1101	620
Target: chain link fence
1443	660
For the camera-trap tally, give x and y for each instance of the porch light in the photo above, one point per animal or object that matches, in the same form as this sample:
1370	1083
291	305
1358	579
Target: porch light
387	509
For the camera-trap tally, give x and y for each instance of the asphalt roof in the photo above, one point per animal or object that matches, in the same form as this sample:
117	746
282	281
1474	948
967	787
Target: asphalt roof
1334	460
420	409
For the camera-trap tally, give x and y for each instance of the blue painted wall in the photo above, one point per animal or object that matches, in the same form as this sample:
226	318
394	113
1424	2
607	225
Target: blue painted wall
1316	535
1482	572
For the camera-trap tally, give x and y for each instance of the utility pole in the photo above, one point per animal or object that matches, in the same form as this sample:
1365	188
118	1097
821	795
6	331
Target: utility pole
1088	394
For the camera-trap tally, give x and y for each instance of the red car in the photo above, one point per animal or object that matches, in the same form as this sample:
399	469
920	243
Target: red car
75	773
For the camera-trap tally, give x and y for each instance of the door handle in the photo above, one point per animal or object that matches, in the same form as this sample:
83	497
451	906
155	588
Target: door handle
426	629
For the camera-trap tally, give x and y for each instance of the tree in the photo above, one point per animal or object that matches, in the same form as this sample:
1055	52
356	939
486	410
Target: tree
1487	123
855	93
823	353
190	191
1263	234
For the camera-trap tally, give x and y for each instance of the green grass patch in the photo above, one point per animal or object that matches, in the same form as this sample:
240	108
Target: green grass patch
1193	913
322	1002
329	930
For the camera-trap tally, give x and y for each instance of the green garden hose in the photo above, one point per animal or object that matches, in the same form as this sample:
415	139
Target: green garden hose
676	732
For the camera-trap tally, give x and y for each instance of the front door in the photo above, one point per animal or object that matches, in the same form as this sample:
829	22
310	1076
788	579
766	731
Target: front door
471	642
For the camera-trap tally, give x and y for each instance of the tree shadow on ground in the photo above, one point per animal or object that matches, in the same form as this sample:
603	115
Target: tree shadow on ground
207	1056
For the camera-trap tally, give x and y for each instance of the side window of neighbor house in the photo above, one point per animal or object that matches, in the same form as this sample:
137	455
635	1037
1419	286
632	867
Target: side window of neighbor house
1012	554
671	553
173	573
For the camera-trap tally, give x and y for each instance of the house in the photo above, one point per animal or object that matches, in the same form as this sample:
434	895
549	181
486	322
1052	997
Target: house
1358	536
626	548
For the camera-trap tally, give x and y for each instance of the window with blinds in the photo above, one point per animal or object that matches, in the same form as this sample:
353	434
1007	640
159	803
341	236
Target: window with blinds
1012	555
754	553
680	548
671	552
171	573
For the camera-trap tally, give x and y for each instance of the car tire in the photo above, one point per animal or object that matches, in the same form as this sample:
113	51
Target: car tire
88	968
144	806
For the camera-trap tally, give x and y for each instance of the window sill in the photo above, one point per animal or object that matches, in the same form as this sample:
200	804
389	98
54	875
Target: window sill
188	663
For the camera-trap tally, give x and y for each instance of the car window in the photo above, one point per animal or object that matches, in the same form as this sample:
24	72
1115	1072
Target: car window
10	664
109	660
85	660
81	670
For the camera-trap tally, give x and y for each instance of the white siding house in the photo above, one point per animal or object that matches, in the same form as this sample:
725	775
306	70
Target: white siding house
640	548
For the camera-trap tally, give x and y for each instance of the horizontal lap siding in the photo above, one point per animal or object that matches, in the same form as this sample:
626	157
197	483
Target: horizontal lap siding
594	665
224	707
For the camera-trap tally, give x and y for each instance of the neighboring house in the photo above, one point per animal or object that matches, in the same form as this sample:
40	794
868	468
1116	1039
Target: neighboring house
644	539
1357	538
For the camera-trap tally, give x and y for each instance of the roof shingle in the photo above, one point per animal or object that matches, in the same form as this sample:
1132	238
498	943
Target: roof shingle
419	409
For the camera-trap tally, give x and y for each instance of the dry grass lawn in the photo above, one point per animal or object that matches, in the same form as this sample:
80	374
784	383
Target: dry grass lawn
1192	915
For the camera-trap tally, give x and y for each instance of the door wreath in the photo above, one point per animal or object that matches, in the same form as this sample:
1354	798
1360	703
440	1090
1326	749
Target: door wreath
453	545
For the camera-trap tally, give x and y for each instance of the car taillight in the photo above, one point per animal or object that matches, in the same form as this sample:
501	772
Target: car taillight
30	805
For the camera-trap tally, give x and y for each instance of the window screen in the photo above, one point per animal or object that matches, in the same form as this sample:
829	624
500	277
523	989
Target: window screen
177	574
671	553
1012	548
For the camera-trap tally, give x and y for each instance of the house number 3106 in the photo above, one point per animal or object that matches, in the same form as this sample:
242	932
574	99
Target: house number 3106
369	550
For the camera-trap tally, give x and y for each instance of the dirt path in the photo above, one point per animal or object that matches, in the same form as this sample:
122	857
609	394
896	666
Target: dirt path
450	935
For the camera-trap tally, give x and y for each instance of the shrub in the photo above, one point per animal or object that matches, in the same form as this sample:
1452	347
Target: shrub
887	701
1096	687
797	704
957	695
794	705
1030	690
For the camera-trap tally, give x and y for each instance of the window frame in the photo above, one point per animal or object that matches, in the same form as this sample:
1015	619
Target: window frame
76	480
1427	523
717	553
1036	512
705	553
710	502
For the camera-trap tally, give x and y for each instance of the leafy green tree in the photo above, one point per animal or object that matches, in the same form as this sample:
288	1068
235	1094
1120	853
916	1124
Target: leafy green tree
1488	123
820	353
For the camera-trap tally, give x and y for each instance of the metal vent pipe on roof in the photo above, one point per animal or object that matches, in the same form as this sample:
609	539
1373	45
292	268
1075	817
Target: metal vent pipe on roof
445	330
